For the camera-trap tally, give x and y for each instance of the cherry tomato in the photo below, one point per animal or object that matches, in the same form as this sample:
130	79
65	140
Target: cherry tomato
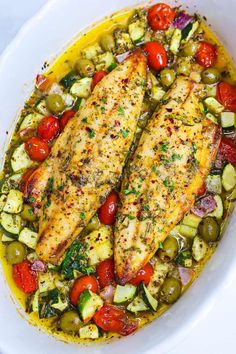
228	150
206	54
37	149
86	282
24	180
226	95
43	83
48	128
65	118
143	275
98	76
113	319
105	272
24	277
202	190
160	16
107	212
156	55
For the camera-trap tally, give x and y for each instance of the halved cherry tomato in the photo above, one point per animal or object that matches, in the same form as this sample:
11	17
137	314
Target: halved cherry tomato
49	128
105	272
160	16
24	277
98	76
226	95
202	190
43	83
143	275
206	54
65	118
37	149
113	319
24	180
228	150
107	212
156	55
86	282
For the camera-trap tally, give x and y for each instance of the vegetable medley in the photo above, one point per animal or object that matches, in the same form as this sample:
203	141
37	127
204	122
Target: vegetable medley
81	296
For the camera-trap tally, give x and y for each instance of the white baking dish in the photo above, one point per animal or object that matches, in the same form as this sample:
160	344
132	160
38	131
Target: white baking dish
41	39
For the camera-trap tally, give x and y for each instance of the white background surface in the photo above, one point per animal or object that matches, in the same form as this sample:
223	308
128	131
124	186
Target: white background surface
214	334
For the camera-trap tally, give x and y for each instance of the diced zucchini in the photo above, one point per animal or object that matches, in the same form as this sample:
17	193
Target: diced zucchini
91	51
123	41
68	80
229	177
104	61
148	298
213	184
42	107
28	237
189	31
32	256
137	305
124	293
6	238
14	202
157	279
11	223
227	119
89	303
175	41
199	249
82	87
218	212
100	245
191	220
60	305
11	183
212	117
20	160
213	105
3	200
68	99
211	90
137	31
187	231
157	93
35	302
46	281
184	258
89	332
31	121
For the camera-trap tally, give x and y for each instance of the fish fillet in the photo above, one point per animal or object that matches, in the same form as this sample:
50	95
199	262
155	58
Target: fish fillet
169	166
87	159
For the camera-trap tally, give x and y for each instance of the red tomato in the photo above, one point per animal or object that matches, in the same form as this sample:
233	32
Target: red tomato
228	150
24	180
48	128
43	83
226	94
105	272
107	212
156	55
65	118
160	16
86	282
24	277
98	76
37	149
113	319
144	274
202	189
206	54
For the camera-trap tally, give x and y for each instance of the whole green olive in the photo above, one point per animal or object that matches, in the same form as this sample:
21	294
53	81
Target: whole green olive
190	49
107	42
169	250
167	77
210	76
170	290
85	67
183	67
15	252
55	103
28	213
209	229
70	322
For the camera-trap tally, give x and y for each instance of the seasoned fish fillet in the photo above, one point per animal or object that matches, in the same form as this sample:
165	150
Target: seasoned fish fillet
87	159
169	166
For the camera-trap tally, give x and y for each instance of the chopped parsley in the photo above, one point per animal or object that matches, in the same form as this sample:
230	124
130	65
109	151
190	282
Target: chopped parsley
50	184
194	147
31	199
91	133
104	100
124	133
161	245
82	215
130	217
145	207
130	191
166	182
121	111
47	204
154	169
175	157
164	148
84	120
61	187
103	109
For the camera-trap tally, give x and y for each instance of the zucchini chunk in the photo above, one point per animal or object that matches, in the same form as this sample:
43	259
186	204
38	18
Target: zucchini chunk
123	41
191	220
213	184
229	177
46	281
89	303
213	105
82	88
28	237
157	279
105	61
11	223
31	121
189	31
92	51
3	200
137	31
218	212
11	183
124	293
175	41
6	238
89	332
212	117
137	305
14	202
187	231
41	107
20	160
199	249
148	298
227	119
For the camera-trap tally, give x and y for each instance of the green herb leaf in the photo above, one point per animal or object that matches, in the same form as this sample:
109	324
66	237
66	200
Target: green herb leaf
31	199
121	111
130	191
104	100
124	133
130	217
160	245
194	147
82	215
84	120
164	148
175	157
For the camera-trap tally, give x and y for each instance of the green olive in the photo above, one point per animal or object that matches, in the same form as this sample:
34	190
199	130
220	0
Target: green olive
169	250
85	67
28	213
15	252
190	49
108	42
209	229
70	322
167	77
183	67
93	225
170	290
210	76
55	103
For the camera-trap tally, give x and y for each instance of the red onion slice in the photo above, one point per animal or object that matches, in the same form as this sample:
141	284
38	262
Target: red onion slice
204	206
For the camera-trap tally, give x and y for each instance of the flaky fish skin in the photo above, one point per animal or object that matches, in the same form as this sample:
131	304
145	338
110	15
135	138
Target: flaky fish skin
168	168
87	159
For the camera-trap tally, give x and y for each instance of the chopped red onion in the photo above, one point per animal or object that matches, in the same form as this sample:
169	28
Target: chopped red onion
107	294
38	266
182	20
185	274
122	57
204	206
